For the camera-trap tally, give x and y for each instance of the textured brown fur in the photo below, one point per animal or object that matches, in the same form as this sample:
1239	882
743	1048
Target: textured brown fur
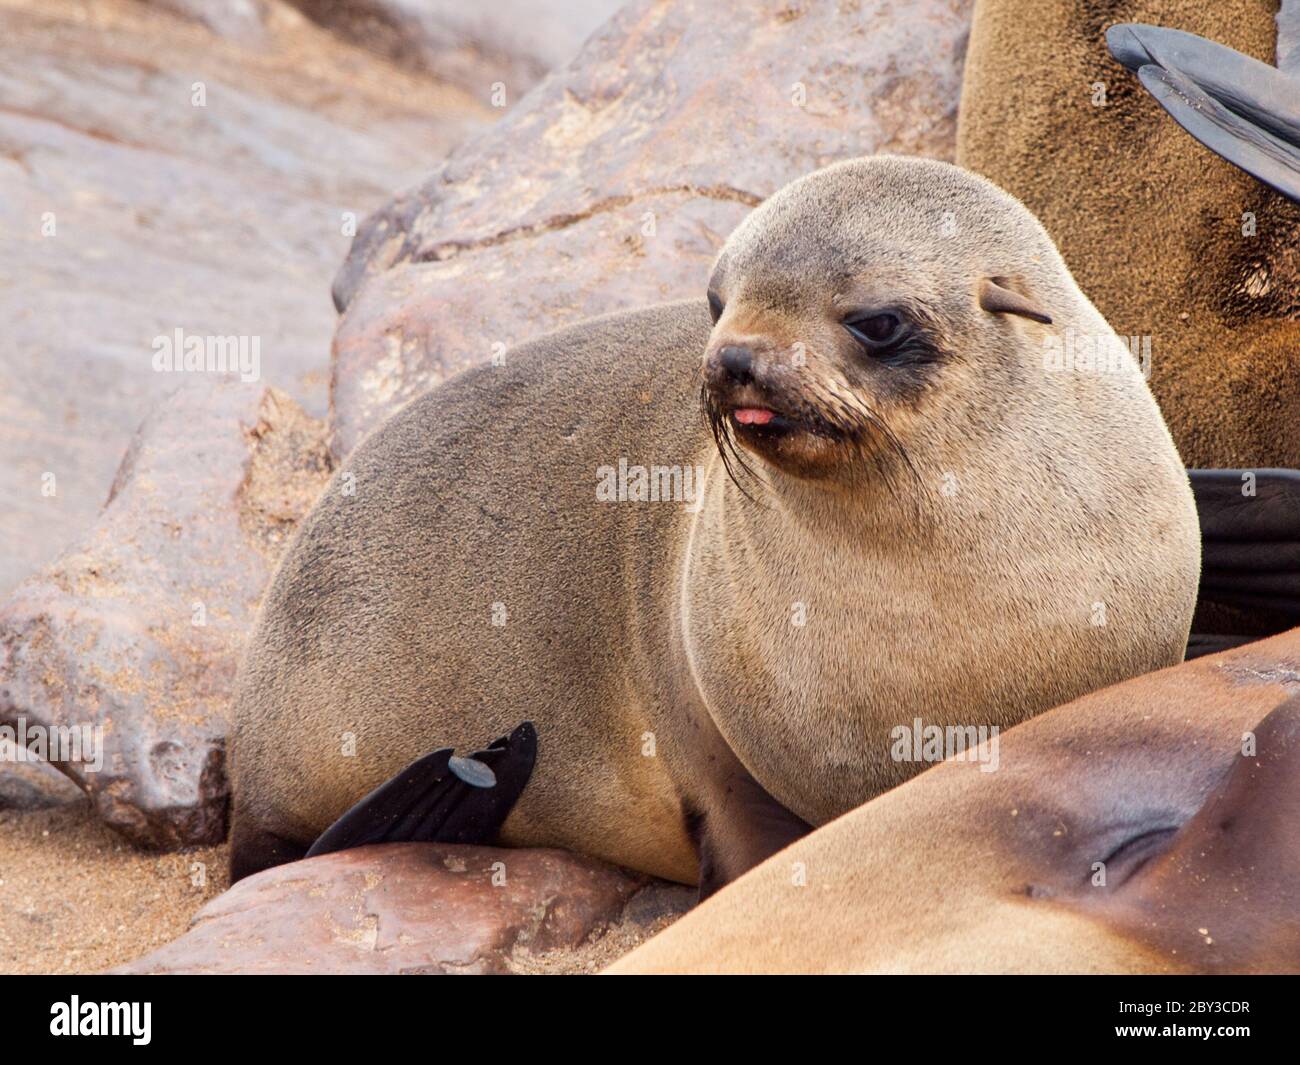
652	643
1149	221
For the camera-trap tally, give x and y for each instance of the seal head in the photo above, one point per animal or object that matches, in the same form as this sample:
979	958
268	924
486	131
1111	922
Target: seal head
851	304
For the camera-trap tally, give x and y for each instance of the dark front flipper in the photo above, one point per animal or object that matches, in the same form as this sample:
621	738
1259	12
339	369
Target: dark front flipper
747	827
440	798
1250	553
1243	110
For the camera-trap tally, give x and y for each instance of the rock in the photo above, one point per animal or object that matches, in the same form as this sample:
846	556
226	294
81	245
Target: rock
402	908
129	212
135	632
615	181
241	20
510	42
32	785
647	913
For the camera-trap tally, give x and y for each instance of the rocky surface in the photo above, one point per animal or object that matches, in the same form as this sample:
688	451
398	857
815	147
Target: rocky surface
129	212
614	183
610	186
132	637
421	908
504	47
32	785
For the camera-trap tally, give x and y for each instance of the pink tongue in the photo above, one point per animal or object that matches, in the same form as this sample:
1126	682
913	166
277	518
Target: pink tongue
754	416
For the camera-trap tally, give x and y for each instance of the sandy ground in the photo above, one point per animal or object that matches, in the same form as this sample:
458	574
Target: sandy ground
647	915
75	897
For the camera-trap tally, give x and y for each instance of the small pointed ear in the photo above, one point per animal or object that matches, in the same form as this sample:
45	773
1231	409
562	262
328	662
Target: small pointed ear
996	299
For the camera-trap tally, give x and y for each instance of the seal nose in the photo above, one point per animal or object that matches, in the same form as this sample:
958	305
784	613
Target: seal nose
738	362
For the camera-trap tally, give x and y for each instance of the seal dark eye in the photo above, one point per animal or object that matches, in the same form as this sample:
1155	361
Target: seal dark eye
715	305
876	332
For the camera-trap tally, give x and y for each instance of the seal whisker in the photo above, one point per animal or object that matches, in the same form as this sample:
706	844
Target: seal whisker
879	428
842	414
730	453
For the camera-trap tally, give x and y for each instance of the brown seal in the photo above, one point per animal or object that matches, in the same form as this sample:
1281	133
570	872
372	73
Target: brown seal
1184	254
714	623
1195	261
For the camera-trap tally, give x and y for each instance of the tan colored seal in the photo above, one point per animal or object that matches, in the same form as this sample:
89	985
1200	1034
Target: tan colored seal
921	499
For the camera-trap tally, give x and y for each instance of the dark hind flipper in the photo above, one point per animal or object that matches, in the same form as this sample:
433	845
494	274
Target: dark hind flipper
1243	110
254	849
1200	644
1250	551
440	798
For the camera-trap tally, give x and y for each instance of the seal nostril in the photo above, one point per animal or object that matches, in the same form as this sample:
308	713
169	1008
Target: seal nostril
738	362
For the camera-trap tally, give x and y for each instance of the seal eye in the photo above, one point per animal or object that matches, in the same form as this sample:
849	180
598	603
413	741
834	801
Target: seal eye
876	332
715	305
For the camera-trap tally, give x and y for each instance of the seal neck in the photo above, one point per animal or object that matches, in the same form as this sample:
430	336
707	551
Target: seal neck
869	513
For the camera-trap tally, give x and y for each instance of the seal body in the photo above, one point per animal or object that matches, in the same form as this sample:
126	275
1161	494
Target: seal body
460	575
716	623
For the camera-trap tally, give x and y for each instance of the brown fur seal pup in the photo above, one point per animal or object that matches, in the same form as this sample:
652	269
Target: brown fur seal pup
1146	828
1171	243
713	663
